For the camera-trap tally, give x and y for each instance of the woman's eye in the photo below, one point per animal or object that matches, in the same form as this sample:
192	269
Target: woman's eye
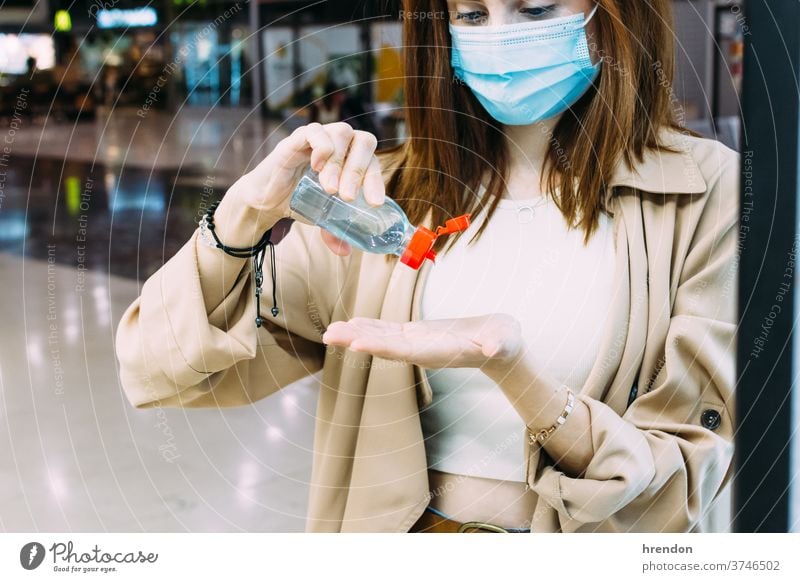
540	11
474	17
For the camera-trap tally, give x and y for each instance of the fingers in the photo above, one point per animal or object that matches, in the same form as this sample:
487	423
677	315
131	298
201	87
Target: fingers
344	159
370	325
340	135
321	143
339	333
309	143
323	146
363	332
376	345
360	164
374	185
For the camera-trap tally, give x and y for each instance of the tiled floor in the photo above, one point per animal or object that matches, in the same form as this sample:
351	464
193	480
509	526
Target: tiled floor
74	455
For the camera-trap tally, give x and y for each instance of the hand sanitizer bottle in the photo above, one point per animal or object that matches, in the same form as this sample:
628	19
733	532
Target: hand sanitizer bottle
384	229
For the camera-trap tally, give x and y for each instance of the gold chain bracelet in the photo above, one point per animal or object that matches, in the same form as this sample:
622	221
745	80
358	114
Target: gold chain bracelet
540	436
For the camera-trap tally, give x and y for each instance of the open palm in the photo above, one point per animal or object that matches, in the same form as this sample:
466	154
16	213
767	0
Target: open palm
469	342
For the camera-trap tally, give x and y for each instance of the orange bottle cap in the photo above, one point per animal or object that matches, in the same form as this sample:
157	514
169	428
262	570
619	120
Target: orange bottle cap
420	247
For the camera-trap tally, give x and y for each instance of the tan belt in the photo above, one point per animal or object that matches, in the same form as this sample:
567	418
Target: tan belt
430	522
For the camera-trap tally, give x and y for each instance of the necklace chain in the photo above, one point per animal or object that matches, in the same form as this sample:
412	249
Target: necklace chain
525	212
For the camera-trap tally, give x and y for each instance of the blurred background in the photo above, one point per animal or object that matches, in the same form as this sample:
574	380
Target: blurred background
121	120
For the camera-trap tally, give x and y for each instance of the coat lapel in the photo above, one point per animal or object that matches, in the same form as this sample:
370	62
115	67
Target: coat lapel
616	324
424	390
631	328
389	482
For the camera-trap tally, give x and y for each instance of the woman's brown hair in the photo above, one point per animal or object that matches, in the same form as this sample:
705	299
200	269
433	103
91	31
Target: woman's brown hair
453	140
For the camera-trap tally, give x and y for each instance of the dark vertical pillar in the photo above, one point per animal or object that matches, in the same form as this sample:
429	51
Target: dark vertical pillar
771	150
297	65
168	24
717	60
367	59
257	54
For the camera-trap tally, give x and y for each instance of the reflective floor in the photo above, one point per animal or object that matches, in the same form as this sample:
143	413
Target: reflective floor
78	235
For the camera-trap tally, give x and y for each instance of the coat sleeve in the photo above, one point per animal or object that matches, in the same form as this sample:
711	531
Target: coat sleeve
658	467
175	351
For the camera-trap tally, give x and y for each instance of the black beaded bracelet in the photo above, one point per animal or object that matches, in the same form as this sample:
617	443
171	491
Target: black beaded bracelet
257	253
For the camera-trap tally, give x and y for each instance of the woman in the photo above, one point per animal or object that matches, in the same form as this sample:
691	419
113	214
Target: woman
540	377
328	108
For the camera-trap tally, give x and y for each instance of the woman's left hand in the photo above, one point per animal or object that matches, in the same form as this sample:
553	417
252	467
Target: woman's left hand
469	342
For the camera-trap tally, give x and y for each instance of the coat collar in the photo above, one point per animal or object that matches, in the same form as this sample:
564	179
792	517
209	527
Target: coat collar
661	171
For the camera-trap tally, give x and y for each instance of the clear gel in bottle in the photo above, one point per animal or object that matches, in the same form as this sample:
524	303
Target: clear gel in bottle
384	229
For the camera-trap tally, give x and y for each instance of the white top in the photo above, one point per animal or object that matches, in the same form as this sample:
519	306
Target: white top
528	264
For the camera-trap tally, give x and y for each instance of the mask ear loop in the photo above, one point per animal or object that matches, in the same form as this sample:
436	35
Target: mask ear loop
591	14
587	20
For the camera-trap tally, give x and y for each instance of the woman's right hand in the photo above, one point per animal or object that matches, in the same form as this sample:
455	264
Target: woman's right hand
344	158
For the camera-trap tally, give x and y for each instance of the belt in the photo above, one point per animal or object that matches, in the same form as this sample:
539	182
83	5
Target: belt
434	521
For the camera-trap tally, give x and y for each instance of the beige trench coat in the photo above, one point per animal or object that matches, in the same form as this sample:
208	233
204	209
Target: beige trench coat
657	465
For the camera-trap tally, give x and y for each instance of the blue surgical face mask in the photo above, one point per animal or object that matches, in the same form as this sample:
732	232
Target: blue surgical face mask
524	73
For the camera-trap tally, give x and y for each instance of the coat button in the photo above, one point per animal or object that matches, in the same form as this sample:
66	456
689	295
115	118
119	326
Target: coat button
710	419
